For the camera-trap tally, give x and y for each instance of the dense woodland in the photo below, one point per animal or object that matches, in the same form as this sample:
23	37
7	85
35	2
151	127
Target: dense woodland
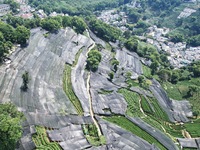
75	7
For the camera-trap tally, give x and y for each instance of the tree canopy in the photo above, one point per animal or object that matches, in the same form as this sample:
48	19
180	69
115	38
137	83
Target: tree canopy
10	126
93	60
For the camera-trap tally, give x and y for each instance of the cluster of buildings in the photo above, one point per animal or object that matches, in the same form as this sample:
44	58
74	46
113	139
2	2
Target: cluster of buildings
115	18
180	54
4	9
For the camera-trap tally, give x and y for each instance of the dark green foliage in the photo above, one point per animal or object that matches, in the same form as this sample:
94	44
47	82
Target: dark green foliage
176	37
131	44
154	67
14	5
115	63
134	16
111	76
75	7
22	35
10	126
93	60
164	75
194	40
50	25
104	31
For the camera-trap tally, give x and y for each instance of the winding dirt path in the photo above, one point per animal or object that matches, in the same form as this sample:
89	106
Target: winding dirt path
90	98
91	109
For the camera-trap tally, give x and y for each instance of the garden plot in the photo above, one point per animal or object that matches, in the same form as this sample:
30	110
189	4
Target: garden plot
175	113
118	138
70	137
162	138
108	102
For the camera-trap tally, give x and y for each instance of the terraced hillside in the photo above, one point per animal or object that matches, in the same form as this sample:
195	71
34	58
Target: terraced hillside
69	107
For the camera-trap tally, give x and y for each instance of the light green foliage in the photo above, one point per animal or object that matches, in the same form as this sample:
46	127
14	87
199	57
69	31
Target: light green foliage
42	141
10	126
146	71
128	125
67	86
79	24
181	91
152	107
132	99
93	60
91	133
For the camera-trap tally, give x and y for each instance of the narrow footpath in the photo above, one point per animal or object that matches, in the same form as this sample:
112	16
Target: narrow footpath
91	109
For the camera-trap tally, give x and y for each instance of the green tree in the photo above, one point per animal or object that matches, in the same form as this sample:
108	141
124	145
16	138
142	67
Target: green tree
131	44
192	90
154	67
10	126
175	77
164	75
22	34
79	24
51	25
25	78
111	76
115	64
93	60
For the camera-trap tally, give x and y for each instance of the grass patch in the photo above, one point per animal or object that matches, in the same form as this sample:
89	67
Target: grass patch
146	71
179	91
67	86
132	99
91	133
151	107
42	141
129	126
193	128
132	82
108	47
169	129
